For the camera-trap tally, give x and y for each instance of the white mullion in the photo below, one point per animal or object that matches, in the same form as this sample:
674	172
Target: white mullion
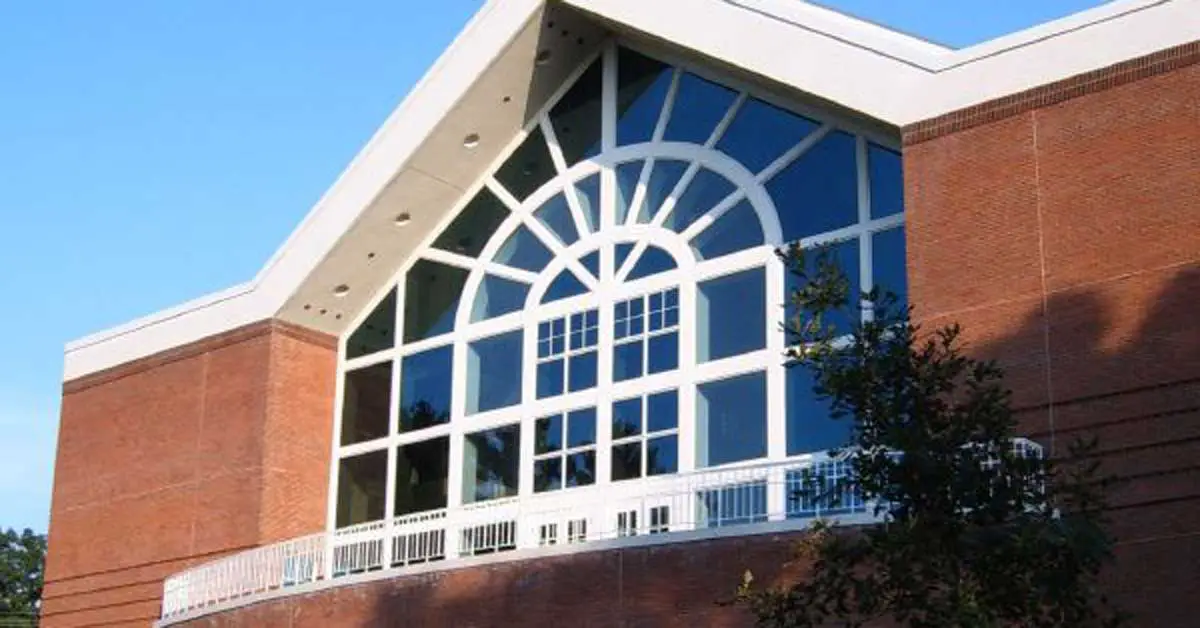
449	258
713	215
733	263
504	195
639	192
726	120
865	242
793	153
529	364
510	272
379	357
557	249
776	317
560	166
660	128
389	481
664	116
688	330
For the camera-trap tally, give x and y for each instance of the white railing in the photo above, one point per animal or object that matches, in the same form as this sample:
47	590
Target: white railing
799	490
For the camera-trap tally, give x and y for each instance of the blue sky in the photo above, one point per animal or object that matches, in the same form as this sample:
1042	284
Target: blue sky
151	152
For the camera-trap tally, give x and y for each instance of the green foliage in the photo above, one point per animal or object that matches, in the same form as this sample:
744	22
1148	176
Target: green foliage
22	557
975	533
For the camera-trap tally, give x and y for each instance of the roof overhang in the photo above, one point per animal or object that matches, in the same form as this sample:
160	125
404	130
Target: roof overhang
489	82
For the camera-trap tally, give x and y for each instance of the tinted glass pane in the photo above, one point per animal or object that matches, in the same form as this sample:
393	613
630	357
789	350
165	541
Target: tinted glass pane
662	455
761	133
588	193
366	403
819	191
628	175
731	420
889	264
565	285
524	250
494	372
556	214
474	226
431	295
548	435
581	427
627	361
498	296
550	379
547	474
663	411
591	261
738	229
528	168
731	315
627	461
663	353
421	472
845	254
810	427
699	106
576	117
653	261
425	389
703	193
622	253
887	181
582	370
642	85
662	181
491	462
362	488
581	468
377	332
627	418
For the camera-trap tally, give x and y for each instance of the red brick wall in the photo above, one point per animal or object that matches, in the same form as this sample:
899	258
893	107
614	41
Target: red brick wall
1065	236
203	450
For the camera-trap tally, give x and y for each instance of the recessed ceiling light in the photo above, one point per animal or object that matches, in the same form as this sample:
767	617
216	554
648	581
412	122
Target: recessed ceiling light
471	141
341	290
543	57
402	219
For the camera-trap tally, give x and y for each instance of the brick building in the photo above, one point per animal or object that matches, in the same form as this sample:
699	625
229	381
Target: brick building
520	364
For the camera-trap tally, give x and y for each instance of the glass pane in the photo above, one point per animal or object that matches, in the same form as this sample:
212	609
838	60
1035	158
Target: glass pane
738	229
642	85
524	250
494	372
662	411
547	475
498	296
425	389
588	193
366	403
731	315
581	427
627	418
663	353
887	181
583	371
576	117
581	468
377	332
550	379
528	168
627	461
706	189
731	420
628	175
699	106
889	264
622	253
627	361
761	133
663	179
362	488
431	295
548	435
556	215
810	426
653	261
491	463
819	191
565	285
591	261
845	254
421	472
474	225
662	455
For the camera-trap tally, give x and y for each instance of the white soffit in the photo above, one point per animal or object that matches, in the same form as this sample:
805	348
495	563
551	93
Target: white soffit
890	76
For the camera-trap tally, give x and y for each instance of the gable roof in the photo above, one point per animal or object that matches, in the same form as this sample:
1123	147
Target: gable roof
416	159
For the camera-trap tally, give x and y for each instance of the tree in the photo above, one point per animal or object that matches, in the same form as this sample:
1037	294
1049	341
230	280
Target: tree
22	559
975	532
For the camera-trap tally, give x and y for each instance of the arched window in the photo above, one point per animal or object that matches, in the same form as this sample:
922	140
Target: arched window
606	305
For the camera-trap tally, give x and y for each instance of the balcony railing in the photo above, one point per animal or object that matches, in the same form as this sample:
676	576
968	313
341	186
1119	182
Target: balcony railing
796	490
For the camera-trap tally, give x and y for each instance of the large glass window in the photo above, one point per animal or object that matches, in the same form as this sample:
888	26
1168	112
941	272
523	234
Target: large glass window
362	488
731	315
645	436
491	464
366	403
425	389
565	451
567	356
494	369
421	472
646	334
731	420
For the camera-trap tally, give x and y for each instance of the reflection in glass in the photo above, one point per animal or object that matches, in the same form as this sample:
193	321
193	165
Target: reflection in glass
810	424
887	181
431	295
377	332
556	215
474	225
581	468
736	230
547	474
528	168
662	455
491	462
421	472
642	85
576	117
366	403
425	389
699	106
494	372
548	436
706	189
362	488
627	461
497	296
627	418
731	315
760	133
819	191
731	420
524	250
581	427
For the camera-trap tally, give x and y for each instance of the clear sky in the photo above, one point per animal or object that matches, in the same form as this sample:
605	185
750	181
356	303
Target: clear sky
152	152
